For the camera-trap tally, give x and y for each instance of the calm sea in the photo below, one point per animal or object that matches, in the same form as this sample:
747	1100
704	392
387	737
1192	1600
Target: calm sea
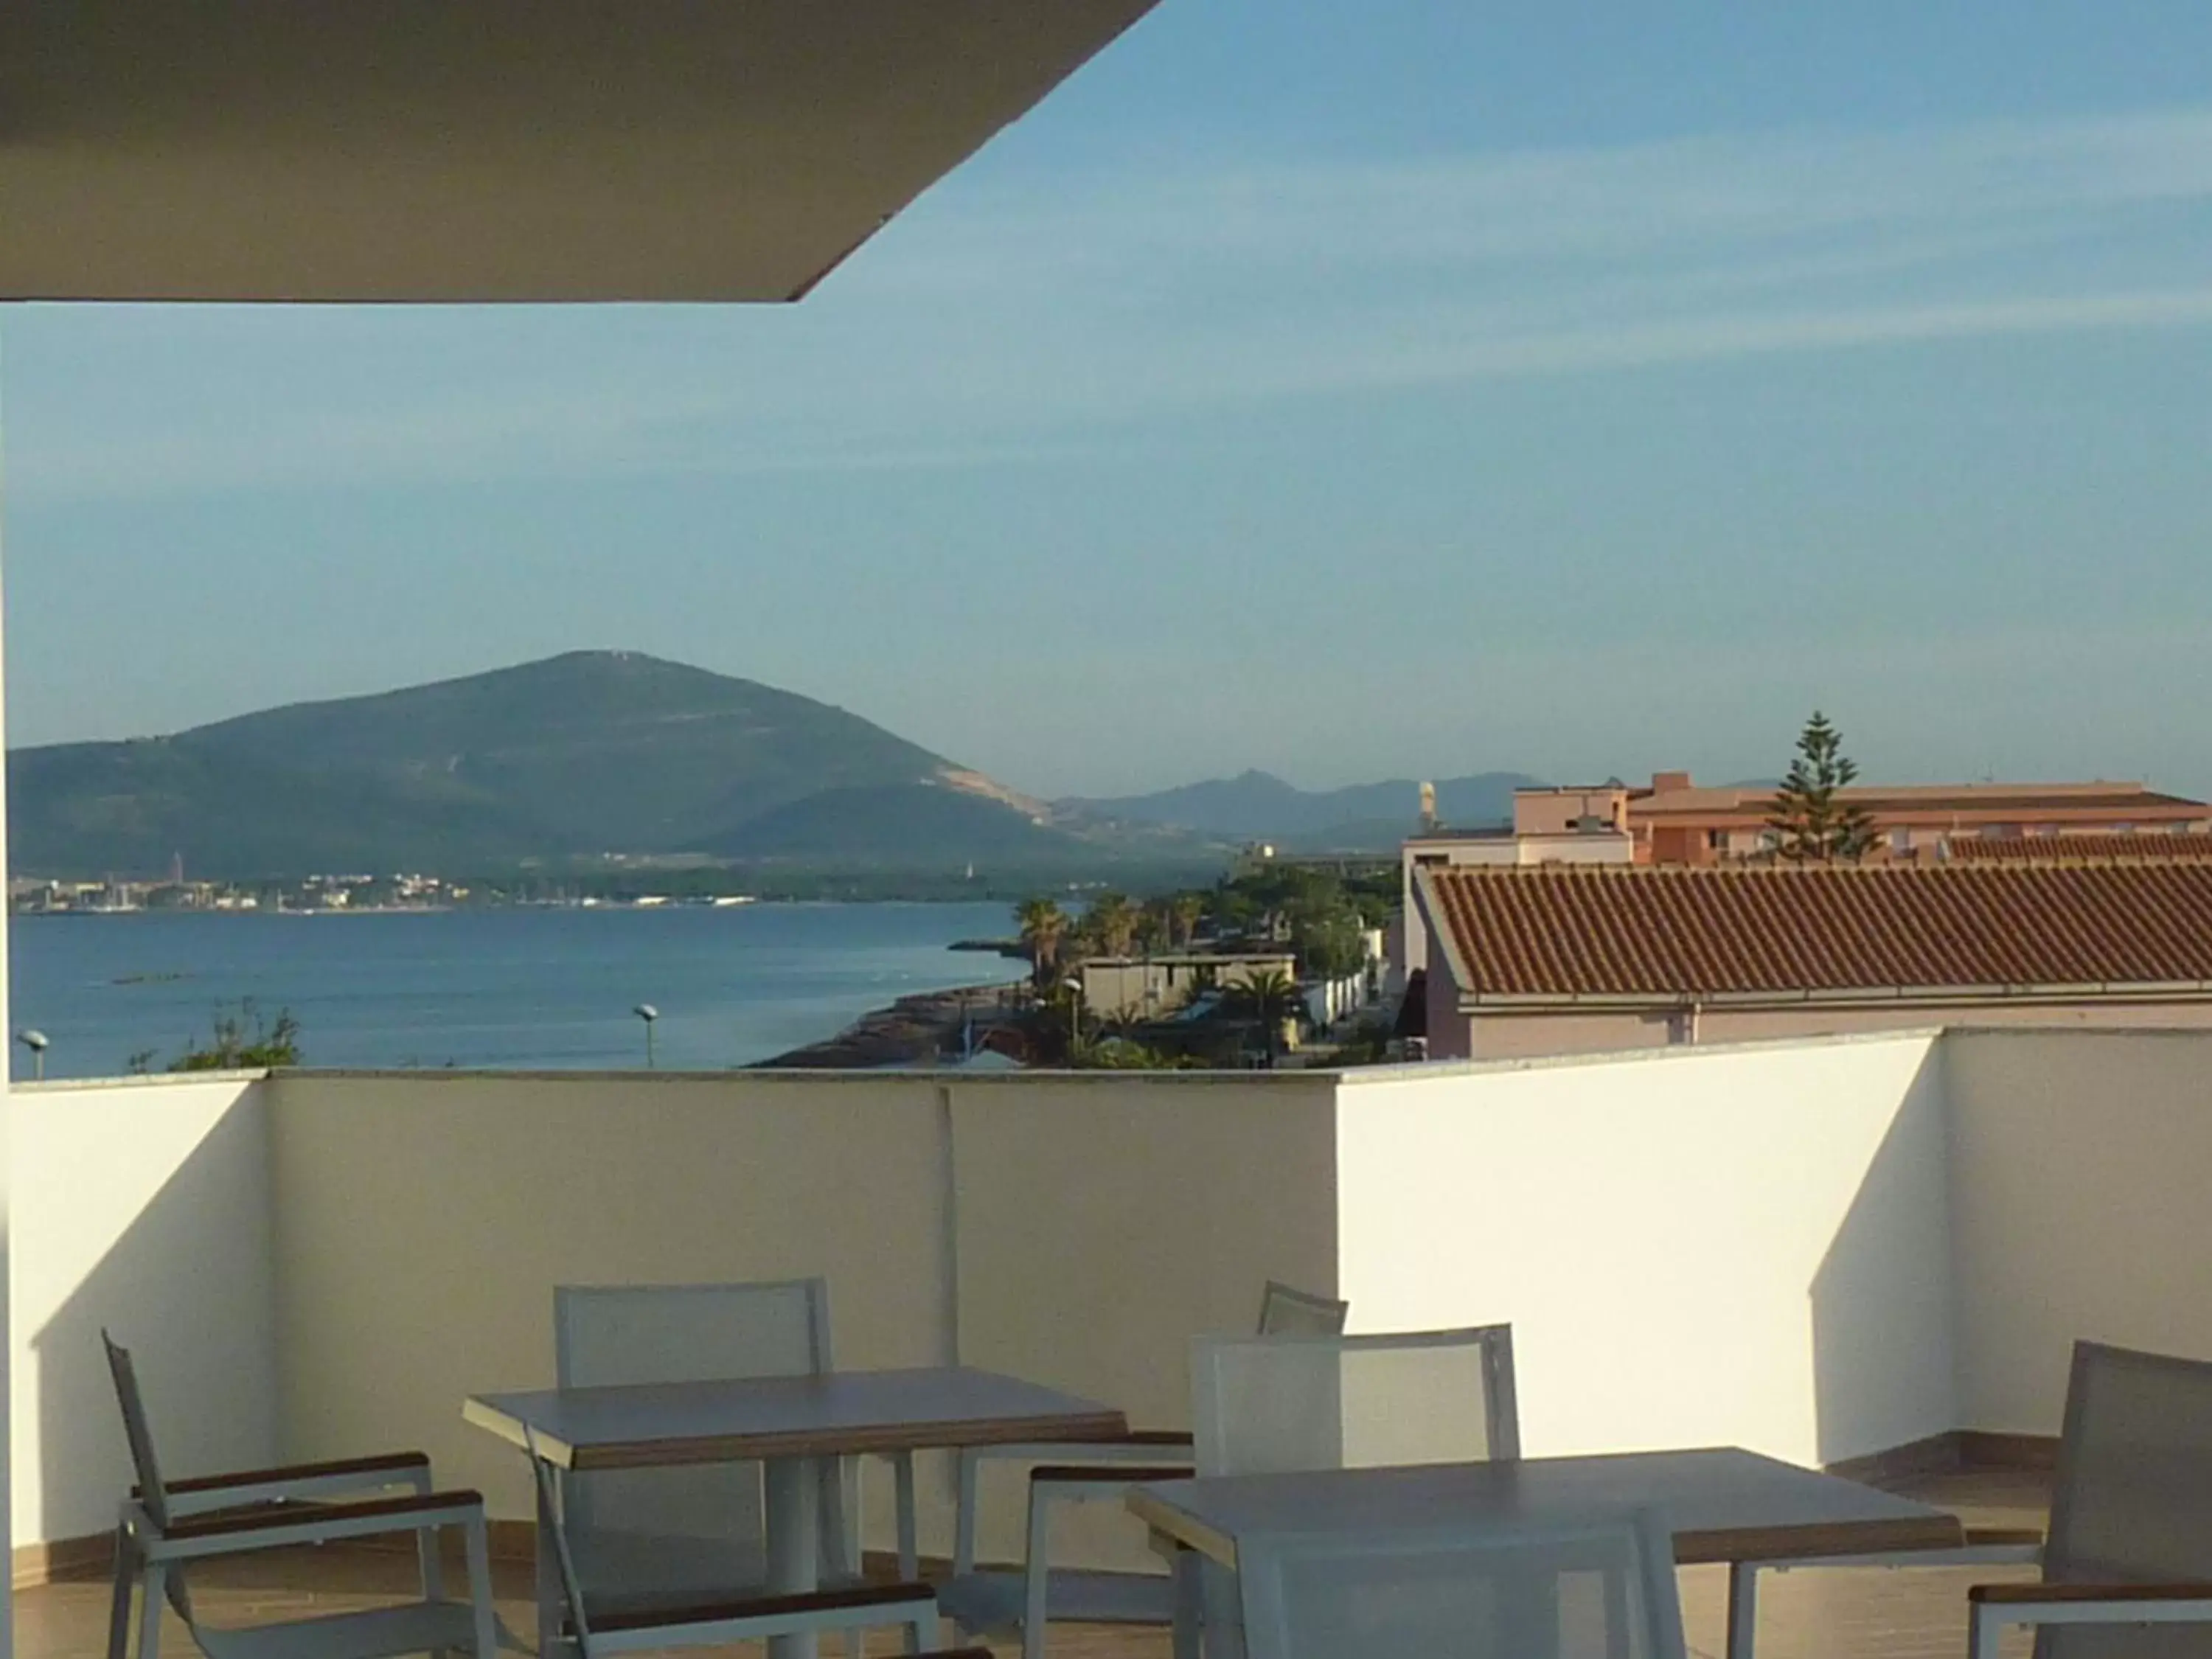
520	988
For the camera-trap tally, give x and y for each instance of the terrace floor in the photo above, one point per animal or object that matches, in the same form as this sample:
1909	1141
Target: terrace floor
1862	1613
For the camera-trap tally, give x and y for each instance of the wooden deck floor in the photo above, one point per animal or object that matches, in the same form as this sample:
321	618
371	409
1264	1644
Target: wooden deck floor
1856	1614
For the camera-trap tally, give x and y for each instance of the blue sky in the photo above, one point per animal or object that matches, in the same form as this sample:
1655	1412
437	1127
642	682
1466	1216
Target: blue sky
1352	391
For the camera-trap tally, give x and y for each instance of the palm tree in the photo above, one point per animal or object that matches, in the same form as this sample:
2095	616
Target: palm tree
1044	925
1152	930
1184	910
1112	921
1269	996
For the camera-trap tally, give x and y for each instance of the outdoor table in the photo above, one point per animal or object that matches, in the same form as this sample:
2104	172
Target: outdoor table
786	1422
1723	1503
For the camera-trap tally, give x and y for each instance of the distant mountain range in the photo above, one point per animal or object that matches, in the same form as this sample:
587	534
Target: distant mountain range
1260	806
592	752
613	752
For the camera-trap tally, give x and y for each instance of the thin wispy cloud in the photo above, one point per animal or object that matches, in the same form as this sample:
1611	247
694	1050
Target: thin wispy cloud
1009	320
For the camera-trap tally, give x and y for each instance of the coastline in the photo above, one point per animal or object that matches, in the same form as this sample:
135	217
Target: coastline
912	1030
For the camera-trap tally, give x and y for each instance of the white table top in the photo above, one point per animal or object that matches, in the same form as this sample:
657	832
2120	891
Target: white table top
835	1414
1724	1503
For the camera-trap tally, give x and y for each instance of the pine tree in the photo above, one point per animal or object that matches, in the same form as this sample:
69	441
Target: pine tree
1812	825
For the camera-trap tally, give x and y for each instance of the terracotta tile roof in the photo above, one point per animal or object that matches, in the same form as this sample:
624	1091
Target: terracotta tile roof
2078	849
1598	931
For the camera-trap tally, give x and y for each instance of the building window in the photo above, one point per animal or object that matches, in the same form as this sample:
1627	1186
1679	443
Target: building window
1717	839
1900	840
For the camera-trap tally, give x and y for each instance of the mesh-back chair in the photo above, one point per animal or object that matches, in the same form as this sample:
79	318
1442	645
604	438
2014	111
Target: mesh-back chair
165	1527
651	1537
1004	1602
1600	1586
2127	1566
1263	1405
594	1630
1286	1310
1289	1404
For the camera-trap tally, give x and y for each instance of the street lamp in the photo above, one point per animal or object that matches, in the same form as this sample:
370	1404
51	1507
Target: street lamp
648	1013
36	1042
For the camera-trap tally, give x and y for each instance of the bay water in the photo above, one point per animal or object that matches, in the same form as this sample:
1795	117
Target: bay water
521	988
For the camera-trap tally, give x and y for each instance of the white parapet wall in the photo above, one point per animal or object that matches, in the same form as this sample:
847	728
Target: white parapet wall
1076	1231
141	1206
423	1220
1820	1249
1725	1247
2081	1168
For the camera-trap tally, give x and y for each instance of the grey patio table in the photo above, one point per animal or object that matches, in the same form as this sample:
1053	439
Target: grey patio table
786	1422
1724	1504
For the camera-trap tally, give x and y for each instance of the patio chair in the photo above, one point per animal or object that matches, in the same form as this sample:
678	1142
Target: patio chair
165	1527
590	1632
1598	1587
1288	1404
651	1538
1006	1601
2127	1562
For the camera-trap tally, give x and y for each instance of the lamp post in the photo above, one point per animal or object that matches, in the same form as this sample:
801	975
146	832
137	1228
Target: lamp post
648	1013
36	1042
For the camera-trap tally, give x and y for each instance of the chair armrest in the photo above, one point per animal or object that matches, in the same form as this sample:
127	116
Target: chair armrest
1992	1608
231	1532
860	1598
1140	1446
2032	1595
1979	1546
1115	1475
246	1486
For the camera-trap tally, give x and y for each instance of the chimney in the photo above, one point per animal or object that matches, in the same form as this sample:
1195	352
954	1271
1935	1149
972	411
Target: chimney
1665	783
1428	809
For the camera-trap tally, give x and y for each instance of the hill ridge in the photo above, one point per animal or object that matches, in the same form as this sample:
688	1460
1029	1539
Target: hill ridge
575	755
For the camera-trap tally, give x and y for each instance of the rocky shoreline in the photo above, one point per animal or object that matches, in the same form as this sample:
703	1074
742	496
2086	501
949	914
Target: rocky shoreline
914	1030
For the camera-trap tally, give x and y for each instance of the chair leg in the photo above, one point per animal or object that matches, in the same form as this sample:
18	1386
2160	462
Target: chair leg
909	1541
477	1532
153	1590
549	1590
1036	1576
1742	1609
427	1542
118	1607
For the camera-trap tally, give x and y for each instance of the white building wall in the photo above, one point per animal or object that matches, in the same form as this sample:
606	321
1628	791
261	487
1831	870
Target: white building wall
141	1205
1741	1246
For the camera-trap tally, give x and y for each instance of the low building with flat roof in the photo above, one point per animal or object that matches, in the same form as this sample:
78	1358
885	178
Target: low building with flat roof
1674	822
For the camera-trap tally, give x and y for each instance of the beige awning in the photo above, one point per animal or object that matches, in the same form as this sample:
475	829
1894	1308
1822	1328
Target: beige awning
493	150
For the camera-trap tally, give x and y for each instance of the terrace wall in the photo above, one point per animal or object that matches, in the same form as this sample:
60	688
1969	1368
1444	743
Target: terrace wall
1820	1249
1743	1247
141	1205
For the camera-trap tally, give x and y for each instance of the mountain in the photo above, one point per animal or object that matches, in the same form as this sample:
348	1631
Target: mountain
592	752
1260	806
879	822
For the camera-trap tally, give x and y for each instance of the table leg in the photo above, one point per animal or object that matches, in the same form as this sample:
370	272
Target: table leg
1742	1609
549	1594
792	1488
1189	1601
